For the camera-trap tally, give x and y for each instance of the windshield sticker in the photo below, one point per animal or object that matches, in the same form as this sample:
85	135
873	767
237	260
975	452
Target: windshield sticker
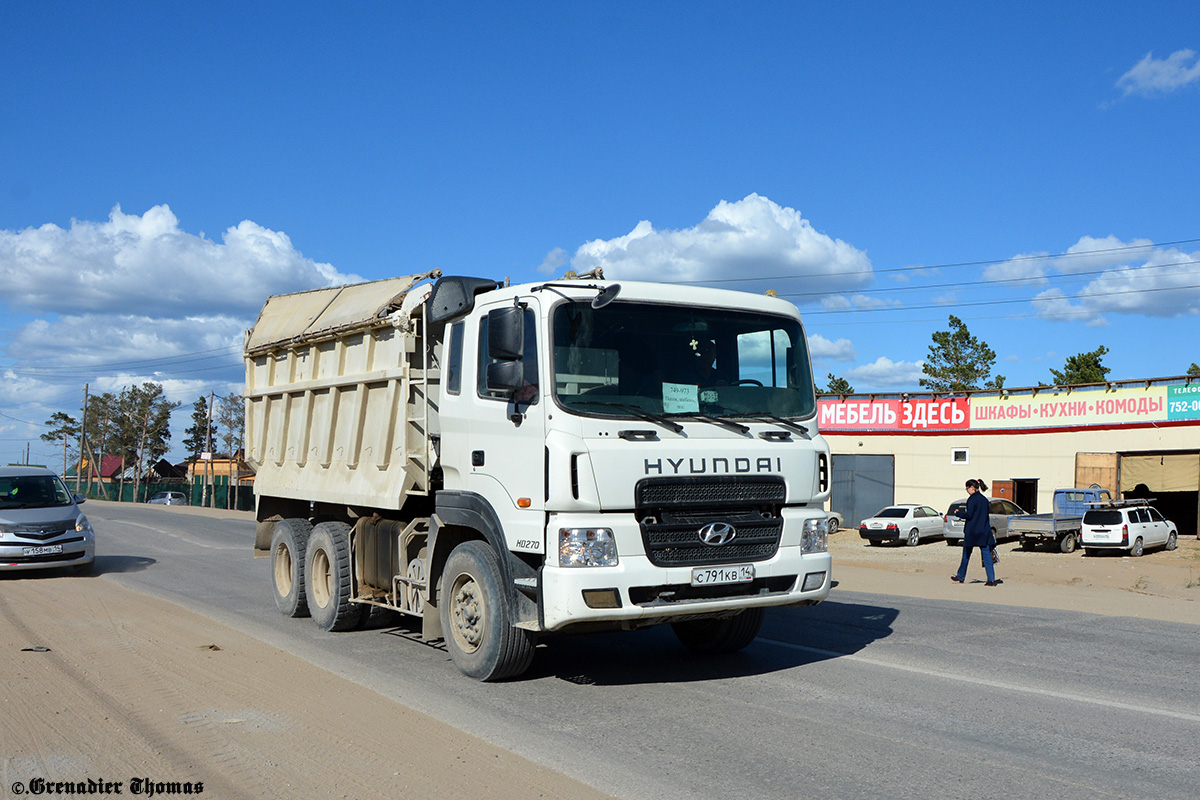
681	398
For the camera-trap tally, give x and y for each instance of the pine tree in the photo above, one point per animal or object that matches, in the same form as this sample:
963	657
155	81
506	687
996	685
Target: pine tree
197	438
838	385
1082	368
64	431
958	362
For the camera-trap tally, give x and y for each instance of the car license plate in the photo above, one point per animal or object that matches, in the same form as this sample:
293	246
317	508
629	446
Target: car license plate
45	550
711	576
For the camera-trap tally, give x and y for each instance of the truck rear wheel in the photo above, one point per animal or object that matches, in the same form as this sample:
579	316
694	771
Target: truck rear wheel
727	635
327	581
1067	543
288	544
477	618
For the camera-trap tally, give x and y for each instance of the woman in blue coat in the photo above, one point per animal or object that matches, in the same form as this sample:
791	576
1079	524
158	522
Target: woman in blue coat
977	532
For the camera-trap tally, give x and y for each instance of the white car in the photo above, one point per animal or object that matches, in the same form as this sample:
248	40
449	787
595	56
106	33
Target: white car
902	523
1133	527
835	522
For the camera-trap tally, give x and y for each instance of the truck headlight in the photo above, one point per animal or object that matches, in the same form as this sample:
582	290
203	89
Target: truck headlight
815	538
586	547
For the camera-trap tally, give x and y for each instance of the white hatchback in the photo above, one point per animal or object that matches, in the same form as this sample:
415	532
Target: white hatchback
1127	527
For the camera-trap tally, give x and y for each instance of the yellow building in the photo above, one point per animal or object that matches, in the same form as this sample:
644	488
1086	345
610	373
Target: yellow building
1135	438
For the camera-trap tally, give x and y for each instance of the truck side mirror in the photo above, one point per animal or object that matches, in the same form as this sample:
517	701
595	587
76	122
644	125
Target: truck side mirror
505	376
506	333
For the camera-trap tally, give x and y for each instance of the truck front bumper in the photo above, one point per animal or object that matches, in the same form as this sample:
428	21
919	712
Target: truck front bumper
638	593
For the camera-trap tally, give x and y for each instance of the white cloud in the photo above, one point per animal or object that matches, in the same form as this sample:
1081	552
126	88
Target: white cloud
554	261
1151	76
1090	254
1165	283
885	373
822	349
751	238
138	263
1024	266
841	302
134	299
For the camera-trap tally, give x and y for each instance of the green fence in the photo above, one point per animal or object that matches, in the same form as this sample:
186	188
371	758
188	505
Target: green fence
223	495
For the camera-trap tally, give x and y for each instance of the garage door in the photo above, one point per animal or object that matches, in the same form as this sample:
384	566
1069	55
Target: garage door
862	485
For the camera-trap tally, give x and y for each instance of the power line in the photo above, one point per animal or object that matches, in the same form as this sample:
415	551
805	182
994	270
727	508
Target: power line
1003	302
151	363
1048	279
952	265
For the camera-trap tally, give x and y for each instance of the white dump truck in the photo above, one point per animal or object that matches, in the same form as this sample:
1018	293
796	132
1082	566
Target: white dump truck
505	463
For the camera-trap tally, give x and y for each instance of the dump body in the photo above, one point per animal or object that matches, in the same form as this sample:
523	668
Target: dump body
610	459
337	408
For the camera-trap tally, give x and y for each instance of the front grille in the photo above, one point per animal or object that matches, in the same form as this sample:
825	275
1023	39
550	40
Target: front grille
709	492
672	512
40	534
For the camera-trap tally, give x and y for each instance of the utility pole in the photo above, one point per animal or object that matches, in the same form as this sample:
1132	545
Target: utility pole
208	498
83	440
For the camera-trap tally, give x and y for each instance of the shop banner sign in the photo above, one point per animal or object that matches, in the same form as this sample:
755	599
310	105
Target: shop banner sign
1046	409
1183	402
917	414
1070	409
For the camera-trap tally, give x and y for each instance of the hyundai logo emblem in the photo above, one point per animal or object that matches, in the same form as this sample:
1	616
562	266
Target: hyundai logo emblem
717	533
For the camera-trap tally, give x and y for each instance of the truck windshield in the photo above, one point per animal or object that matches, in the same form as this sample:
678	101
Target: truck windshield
680	360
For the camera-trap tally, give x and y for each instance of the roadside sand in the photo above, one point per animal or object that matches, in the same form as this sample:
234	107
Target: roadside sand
1160	585
132	687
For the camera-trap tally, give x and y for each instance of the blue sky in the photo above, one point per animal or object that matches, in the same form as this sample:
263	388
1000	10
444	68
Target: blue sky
164	168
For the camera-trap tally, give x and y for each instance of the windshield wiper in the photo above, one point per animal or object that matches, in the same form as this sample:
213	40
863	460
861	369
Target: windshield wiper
724	423
674	427
780	421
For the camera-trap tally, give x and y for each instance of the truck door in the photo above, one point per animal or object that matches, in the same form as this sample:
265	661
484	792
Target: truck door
498	439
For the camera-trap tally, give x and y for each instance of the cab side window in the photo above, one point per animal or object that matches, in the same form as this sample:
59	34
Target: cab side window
529	393
454	359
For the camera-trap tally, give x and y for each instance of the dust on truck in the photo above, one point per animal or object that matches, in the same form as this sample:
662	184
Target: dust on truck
505	463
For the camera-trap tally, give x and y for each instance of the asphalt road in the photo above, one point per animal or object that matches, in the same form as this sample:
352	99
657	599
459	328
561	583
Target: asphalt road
863	696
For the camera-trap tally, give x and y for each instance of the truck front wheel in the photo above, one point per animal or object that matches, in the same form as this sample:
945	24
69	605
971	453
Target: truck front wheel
327	582
727	635
288	544
477	618
1067	543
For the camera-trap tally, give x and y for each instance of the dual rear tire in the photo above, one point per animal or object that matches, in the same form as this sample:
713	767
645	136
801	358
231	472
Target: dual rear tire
289	543
327	578
310	573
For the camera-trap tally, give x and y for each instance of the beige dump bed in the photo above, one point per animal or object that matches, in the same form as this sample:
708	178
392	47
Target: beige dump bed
338	389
